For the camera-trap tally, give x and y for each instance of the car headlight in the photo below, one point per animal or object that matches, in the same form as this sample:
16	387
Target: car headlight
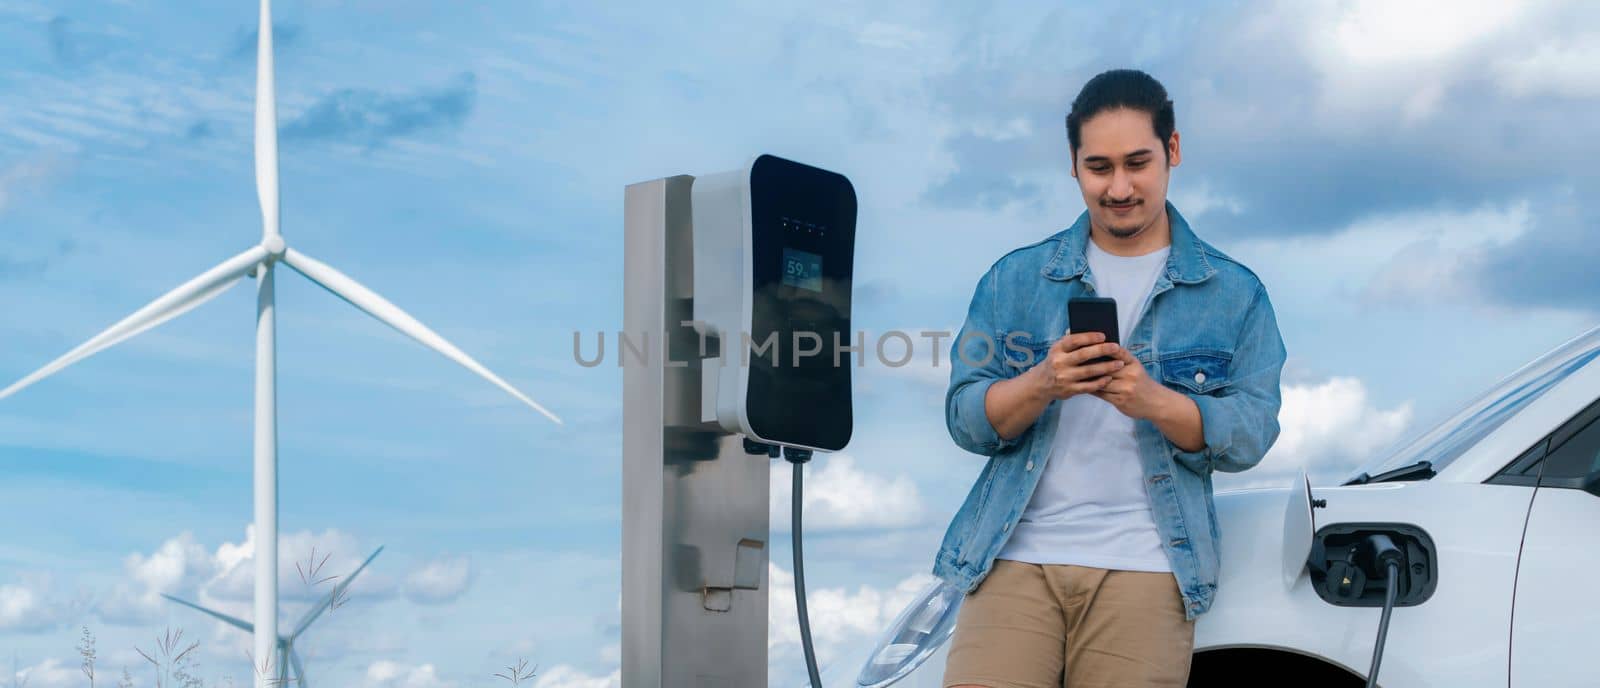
922	628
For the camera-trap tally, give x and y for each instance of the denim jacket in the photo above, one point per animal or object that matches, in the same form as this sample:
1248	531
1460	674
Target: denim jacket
1208	331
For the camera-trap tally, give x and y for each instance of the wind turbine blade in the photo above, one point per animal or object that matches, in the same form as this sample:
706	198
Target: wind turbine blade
266	127
170	305
327	600
299	669
376	306
236	623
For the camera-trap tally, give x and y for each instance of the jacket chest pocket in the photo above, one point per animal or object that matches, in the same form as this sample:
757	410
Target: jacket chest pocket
1020	351
1197	371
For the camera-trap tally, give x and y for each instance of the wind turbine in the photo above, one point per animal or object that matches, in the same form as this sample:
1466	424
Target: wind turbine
286	643
259	261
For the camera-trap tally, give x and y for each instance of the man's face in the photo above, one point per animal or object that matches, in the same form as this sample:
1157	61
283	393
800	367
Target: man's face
1122	171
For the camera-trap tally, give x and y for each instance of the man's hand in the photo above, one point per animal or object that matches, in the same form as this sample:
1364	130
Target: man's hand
1063	374
1132	390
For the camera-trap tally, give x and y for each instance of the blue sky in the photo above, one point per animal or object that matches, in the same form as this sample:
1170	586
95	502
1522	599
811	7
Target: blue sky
1411	183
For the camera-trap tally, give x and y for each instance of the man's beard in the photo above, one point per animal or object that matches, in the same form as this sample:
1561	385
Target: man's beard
1124	233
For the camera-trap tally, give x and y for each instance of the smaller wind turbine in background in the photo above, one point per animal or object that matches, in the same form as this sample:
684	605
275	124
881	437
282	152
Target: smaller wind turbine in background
286	651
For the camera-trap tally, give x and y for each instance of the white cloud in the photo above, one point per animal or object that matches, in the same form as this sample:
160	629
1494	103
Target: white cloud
51	673
565	676
177	567
439	581
1327	429
1377	56
839	496
26	176
1198	199
1412	257
842	621
1333	419
304	558
1002	130
1568	68
1422	274
309	564
30	605
388	674
893	36
1378	33
1438	253
18	606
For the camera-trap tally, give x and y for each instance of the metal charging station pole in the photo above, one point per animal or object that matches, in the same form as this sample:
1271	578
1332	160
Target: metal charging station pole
694	504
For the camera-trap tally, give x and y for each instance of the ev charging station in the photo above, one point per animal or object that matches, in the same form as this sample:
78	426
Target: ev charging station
736	315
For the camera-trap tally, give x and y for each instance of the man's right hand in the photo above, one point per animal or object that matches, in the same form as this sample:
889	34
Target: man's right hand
1013	405
1063	373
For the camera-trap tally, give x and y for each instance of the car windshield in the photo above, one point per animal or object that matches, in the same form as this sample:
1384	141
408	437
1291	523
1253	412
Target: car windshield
1459	432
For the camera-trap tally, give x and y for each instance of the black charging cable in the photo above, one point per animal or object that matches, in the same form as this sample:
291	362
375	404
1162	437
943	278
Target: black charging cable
1380	550
798	457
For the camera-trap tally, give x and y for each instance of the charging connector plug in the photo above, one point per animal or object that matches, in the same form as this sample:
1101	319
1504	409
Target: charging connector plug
1380	551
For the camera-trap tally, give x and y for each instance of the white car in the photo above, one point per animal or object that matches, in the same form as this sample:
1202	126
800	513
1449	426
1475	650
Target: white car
1495	515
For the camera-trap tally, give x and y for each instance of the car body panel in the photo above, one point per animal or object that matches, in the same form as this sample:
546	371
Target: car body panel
1557	618
1458	637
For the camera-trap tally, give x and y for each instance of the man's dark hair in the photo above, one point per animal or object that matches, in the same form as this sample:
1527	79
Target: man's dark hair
1122	88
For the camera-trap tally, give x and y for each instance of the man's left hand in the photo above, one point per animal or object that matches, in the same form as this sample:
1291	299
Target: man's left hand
1132	390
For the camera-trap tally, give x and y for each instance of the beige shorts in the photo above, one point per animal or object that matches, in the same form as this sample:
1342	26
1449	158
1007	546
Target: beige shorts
1066	626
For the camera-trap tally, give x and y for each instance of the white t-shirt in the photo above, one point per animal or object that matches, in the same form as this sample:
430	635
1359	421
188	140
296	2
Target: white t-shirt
1090	507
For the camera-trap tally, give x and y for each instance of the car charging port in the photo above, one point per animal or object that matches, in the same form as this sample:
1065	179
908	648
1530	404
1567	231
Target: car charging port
1349	571
1383	565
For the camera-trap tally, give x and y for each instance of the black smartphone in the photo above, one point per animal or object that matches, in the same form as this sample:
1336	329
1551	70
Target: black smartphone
1093	314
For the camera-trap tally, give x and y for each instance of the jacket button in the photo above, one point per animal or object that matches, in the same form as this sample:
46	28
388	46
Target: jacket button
1200	378
1006	527
1028	467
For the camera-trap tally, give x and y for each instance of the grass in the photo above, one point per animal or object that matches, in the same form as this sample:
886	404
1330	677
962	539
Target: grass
172	661
515	675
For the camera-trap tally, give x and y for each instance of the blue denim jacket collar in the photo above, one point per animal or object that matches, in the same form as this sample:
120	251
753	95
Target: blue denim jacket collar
1186	263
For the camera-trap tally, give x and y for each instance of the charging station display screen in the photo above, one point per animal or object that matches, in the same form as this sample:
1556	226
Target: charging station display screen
803	249
802	269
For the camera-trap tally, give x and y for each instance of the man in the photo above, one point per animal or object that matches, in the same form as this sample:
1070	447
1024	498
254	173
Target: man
1089	543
